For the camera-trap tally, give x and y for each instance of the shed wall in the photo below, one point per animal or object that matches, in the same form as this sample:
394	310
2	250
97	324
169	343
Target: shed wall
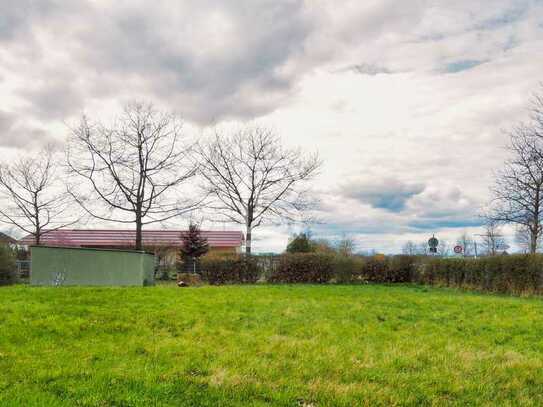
79	266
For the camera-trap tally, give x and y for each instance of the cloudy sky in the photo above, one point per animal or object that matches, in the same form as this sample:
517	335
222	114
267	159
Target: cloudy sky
406	101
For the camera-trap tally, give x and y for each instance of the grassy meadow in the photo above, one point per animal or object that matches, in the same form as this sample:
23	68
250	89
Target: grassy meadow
268	345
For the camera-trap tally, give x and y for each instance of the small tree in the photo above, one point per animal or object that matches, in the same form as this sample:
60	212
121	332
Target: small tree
322	245
194	246
345	246
300	243
410	248
492	239
443	248
467	243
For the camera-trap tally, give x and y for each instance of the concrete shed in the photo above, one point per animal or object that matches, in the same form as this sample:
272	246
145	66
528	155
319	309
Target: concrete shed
58	266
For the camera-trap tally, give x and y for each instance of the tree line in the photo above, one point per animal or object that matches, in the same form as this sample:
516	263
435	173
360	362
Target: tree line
143	169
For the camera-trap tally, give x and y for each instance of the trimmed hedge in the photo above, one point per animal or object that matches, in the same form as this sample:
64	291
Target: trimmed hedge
303	268
233	269
514	274
8	272
357	269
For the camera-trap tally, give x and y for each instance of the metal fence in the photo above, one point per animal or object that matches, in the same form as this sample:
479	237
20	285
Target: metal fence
23	269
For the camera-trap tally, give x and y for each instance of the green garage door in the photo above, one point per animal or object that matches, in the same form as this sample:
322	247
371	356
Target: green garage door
82	266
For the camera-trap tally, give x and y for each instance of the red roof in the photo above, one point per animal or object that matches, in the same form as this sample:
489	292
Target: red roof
127	238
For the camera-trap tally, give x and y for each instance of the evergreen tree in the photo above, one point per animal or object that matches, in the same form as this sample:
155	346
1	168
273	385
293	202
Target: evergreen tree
194	246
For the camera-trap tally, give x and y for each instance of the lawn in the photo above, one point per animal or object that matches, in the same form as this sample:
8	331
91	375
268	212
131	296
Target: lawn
268	345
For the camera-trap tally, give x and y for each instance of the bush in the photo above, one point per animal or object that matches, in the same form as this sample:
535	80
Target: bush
303	268
349	270
400	269
231	269
515	274
8	272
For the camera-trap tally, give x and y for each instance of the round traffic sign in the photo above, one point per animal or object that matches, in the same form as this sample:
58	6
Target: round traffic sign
433	242
458	249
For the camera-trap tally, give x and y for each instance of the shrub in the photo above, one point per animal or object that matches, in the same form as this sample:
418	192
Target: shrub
349	270
8	272
303	268
515	274
231	269
400	269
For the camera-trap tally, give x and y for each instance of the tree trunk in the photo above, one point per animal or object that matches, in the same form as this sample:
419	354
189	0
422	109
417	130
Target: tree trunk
139	240
533	240
248	241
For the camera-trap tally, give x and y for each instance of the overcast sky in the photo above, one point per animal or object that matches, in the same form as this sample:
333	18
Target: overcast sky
406	101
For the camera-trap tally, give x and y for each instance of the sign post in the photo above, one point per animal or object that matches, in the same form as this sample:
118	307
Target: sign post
432	244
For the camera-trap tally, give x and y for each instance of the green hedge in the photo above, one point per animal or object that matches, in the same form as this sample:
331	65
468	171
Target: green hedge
514	274
357	269
303	268
8	272
235	269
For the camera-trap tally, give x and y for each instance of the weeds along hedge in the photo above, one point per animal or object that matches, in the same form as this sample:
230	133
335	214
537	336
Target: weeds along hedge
232	269
8	272
513	274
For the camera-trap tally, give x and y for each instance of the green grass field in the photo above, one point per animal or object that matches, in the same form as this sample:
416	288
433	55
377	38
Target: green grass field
268	345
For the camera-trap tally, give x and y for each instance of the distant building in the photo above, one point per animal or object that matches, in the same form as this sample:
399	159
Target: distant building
164	243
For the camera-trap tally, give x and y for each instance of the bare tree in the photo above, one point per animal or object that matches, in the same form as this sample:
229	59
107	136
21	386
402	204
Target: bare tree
34	199
253	180
492	239
346	246
410	248
518	190
423	249
523	239
134	168
443	248
467	243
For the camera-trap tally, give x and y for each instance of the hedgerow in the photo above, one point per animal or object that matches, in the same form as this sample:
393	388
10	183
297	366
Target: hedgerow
232	269
511	274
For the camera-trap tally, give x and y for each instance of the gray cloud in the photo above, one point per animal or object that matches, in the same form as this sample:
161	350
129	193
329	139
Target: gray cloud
242	74
17	16
388	193
368	69
14	134
216	59
56	98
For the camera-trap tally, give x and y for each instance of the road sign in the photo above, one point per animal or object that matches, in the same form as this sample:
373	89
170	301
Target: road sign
458	249
433	242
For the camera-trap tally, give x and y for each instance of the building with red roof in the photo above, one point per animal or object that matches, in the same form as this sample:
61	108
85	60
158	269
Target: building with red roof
164	243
